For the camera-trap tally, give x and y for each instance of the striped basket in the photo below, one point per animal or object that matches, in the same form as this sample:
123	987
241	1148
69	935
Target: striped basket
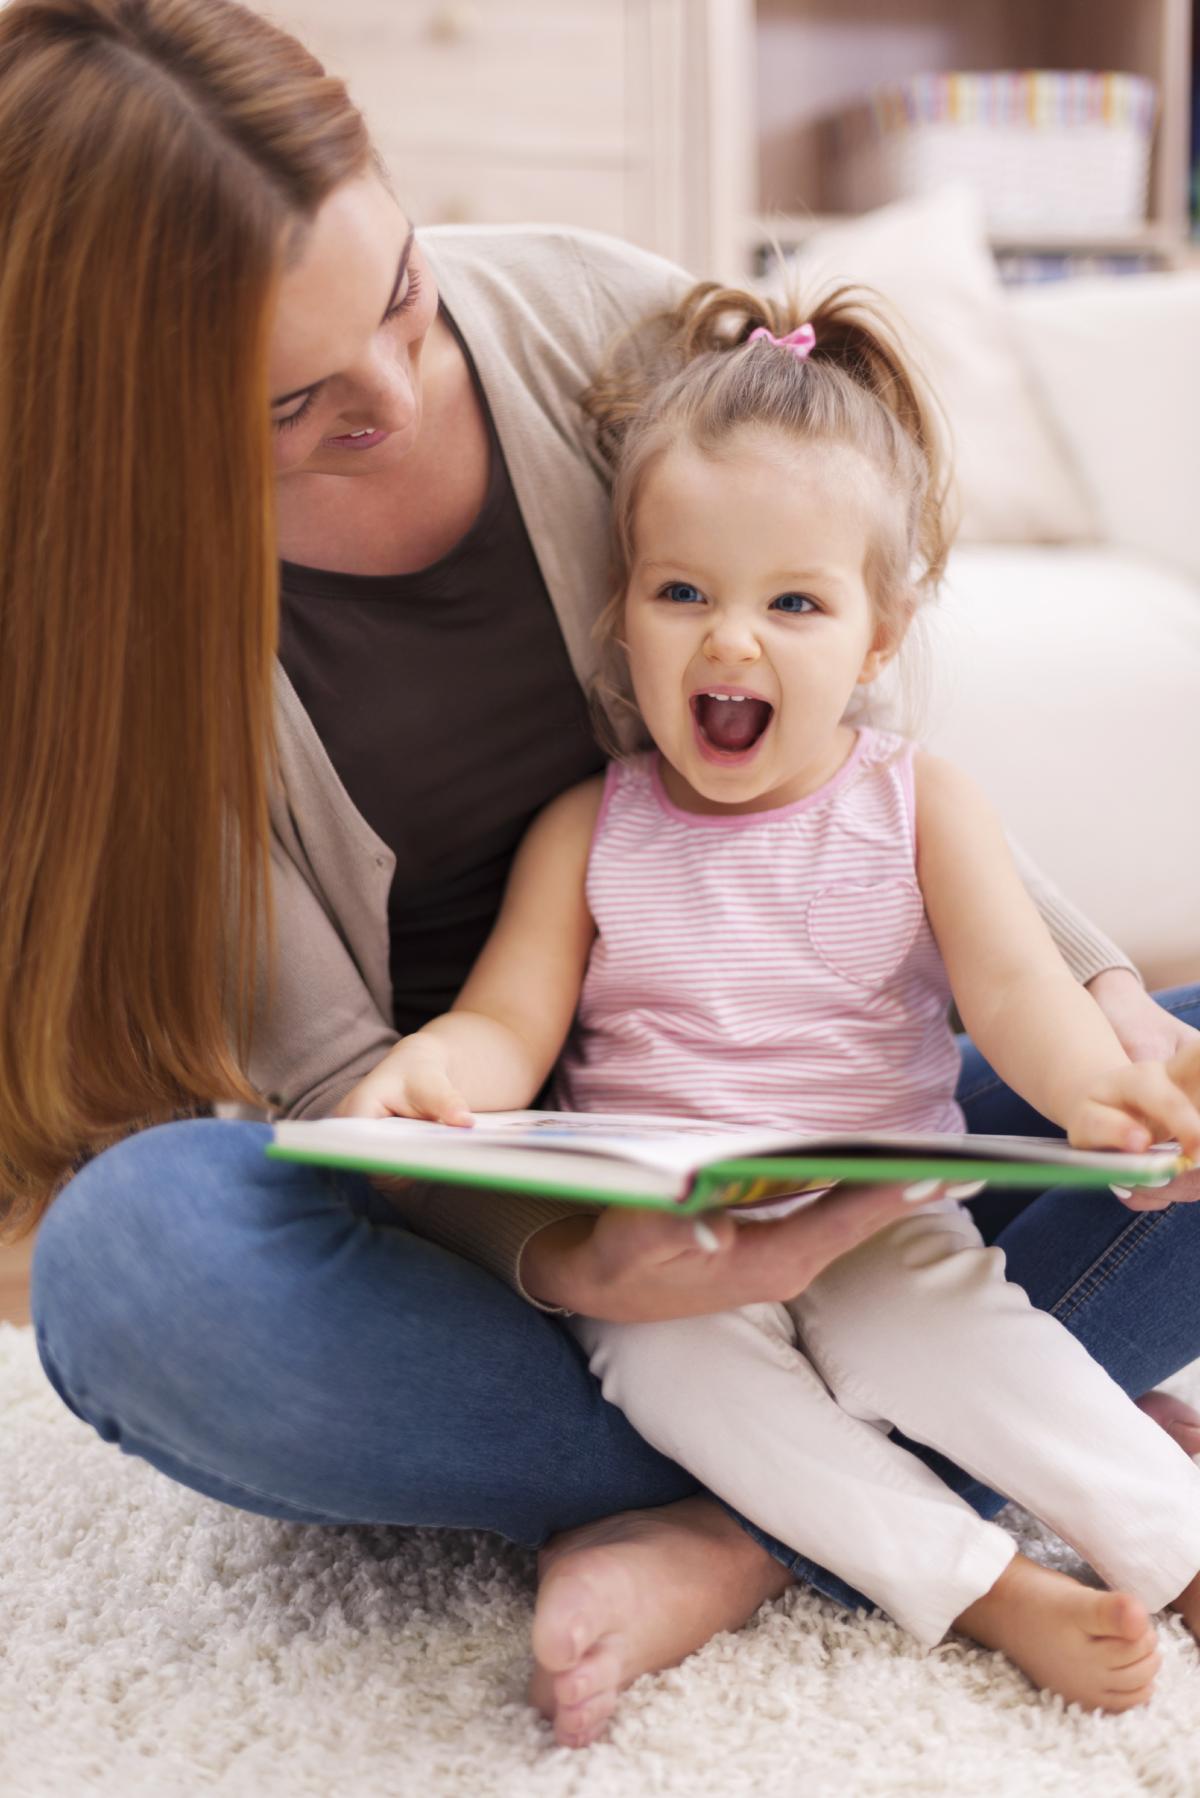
1048	150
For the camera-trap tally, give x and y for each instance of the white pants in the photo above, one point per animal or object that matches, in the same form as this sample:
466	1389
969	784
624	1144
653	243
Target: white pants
917	1328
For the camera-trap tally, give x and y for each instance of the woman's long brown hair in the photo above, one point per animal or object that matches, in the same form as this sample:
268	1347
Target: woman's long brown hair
158	162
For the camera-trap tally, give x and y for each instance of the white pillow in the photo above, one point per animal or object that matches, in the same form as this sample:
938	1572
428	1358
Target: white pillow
1065	681
1119	362
929	258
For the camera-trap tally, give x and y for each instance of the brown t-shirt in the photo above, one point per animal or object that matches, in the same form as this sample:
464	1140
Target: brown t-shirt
446	702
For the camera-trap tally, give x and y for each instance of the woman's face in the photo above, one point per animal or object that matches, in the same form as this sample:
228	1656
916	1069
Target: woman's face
345	359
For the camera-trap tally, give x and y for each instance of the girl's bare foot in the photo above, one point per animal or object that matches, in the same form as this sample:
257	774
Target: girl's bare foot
1188	1605
1097	1649
633	1594
1180	1421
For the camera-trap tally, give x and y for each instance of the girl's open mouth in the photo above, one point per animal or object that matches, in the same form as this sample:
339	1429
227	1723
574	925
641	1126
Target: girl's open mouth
729	726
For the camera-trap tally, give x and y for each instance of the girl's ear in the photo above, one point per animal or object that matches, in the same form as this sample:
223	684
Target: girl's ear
890	633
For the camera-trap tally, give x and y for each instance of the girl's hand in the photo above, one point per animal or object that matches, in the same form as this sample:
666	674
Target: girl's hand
637	1266
410	1082
1136	1105
1146	1033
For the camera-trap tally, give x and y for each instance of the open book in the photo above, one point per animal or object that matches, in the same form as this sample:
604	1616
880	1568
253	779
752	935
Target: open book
686	1164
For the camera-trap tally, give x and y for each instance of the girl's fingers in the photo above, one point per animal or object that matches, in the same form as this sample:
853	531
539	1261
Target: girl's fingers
1164	1105
1101	1126
432	1096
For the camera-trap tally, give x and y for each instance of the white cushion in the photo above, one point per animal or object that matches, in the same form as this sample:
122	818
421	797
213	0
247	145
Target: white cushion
1119	362
929	258
1067	682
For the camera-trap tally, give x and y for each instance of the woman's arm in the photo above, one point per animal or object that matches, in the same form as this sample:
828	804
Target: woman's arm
496	1046
317	1028
1039	1029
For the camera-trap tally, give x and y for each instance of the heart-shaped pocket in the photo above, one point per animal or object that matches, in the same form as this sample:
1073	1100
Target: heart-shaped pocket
864	930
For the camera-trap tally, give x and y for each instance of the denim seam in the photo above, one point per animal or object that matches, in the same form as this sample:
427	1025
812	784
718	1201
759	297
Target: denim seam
1114	1257
76	1399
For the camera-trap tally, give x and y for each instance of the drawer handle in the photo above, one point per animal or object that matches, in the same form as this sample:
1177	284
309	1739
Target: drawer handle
454	22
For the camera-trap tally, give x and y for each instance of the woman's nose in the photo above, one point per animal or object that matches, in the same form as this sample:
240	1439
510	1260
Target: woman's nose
384	396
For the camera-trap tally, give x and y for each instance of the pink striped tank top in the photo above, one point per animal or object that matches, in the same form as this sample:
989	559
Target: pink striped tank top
772	967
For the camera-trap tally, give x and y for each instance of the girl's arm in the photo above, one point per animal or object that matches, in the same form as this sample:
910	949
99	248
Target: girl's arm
1039	1029
494	1049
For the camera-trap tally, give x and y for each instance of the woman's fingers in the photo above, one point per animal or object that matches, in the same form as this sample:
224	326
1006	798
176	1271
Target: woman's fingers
644	1265
780	1259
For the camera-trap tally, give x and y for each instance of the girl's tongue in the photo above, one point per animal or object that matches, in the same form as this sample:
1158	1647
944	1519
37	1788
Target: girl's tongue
731	724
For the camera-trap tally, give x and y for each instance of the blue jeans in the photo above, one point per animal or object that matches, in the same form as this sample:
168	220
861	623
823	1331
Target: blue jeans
268	1335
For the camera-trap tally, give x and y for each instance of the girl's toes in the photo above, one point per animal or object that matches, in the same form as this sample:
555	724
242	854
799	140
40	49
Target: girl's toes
580	1724
1137	1677
599	1671
1128	1701
1120	1614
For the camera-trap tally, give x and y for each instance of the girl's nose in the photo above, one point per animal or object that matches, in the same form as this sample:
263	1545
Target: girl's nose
729	643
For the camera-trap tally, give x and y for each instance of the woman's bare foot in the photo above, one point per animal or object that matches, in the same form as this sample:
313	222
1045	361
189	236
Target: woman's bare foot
1097	1649
1180	1421
635	1593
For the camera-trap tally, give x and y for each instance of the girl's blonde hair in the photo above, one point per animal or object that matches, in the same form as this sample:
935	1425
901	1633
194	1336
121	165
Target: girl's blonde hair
159	160
692	376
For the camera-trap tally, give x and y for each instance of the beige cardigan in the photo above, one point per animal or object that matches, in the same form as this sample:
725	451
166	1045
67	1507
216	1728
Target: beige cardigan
538	308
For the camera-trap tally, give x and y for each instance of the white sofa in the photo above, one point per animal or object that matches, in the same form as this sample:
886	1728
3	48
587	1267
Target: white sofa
1066	677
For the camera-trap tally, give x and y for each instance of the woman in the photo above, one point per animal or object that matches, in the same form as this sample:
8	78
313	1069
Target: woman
231	346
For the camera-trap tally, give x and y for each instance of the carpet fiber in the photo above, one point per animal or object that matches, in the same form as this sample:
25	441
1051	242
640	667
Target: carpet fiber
154	1643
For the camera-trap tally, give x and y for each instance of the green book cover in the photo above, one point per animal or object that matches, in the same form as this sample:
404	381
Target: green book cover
690	1164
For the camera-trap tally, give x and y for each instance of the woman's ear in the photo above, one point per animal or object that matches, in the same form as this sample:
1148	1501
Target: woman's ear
890	632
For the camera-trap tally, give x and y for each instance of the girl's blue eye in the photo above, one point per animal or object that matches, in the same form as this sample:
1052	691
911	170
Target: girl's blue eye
795	603
682	592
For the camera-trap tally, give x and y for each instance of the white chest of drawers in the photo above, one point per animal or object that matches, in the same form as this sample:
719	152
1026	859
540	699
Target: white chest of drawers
582	112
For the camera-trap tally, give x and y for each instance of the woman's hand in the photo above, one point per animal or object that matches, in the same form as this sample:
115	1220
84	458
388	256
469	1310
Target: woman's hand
410	1082
1146	1033
635	1266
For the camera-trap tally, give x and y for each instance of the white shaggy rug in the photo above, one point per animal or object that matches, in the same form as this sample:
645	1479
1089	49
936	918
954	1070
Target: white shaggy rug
154	1643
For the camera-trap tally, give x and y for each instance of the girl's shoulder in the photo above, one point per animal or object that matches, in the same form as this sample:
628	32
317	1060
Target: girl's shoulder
574	811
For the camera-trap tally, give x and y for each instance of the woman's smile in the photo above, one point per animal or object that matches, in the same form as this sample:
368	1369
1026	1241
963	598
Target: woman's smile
357	440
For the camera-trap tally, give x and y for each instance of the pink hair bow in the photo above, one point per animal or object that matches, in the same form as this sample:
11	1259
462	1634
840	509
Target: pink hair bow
801	342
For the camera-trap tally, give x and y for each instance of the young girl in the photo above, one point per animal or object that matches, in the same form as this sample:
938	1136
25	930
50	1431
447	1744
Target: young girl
762	919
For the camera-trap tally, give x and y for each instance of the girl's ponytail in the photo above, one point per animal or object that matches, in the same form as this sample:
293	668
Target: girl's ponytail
694	373
854	335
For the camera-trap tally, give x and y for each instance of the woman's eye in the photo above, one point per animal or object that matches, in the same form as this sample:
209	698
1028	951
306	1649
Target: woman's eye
682	592
412	288
293	418
794	603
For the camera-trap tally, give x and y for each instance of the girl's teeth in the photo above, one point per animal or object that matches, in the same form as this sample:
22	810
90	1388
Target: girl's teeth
734	698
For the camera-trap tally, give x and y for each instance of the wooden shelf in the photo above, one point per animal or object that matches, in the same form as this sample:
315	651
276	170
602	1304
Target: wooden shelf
777	70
